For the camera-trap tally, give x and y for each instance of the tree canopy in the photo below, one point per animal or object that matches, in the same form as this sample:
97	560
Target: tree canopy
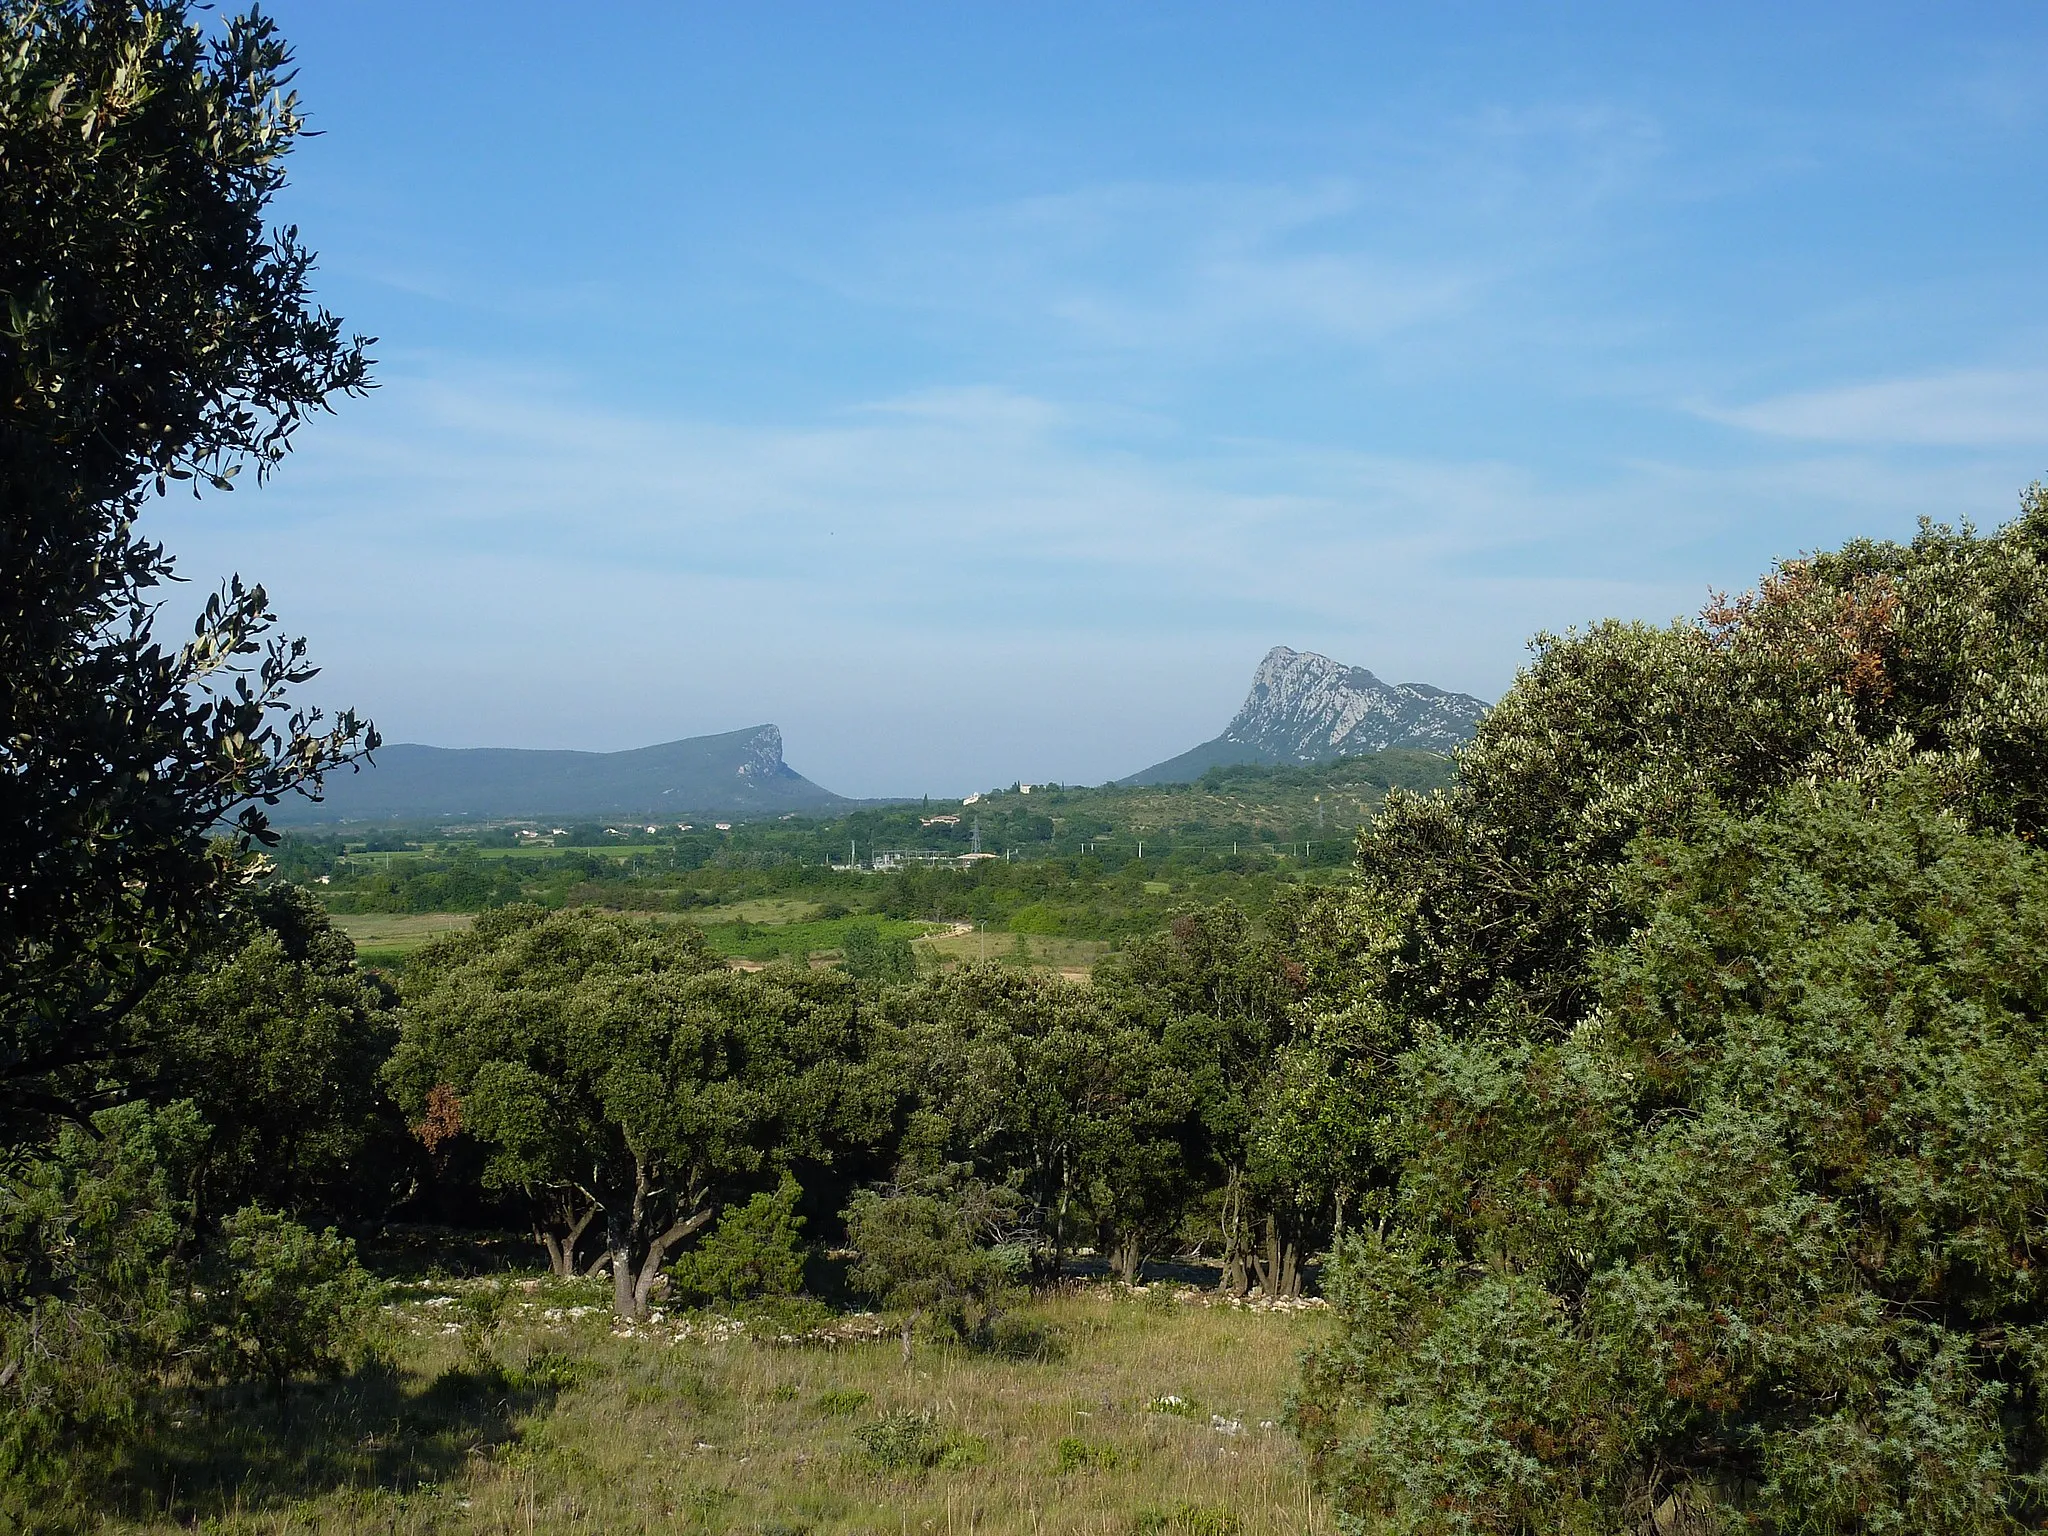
156	332
1707	1076
617	1072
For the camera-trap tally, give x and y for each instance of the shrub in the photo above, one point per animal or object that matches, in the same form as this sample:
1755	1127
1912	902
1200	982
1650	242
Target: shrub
549	1370
481	1311
1754	1241
755	1251
922	1253
788	1319
277	1039
93	1295
914	1442
1010	1337
1073	1454
867	954
285	1302
841	1402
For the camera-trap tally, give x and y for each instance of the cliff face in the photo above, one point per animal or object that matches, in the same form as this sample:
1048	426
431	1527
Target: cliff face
737	773
1306	708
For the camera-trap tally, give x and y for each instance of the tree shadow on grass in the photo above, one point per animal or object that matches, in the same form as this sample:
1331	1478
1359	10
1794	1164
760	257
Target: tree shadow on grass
244	1449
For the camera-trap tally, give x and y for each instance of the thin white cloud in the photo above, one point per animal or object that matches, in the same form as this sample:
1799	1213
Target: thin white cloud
1413	228
972	583
480	559
1980	408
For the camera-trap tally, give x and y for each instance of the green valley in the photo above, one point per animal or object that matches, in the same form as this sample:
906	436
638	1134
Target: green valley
1071	872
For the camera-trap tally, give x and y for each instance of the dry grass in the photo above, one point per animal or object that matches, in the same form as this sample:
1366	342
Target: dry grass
765	909
387	938
1072	958
392	929
688	1427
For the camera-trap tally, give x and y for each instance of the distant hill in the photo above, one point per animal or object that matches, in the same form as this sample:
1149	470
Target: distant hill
740	773
1305	708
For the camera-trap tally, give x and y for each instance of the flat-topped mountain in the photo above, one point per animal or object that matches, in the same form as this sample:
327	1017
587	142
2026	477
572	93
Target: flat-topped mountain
1305	708
738	773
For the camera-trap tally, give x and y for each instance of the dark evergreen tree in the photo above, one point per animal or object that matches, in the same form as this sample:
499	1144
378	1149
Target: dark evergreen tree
155	332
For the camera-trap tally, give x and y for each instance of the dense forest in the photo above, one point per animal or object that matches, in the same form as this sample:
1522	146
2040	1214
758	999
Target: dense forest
1661	1103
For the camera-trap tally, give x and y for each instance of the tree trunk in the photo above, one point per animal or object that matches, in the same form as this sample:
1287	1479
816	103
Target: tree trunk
1059	1241
1266	1261
657	1255
561	1249
909	1323
643	1283
618	1248
633	1281
1290	1271
1129	1258
1235	1279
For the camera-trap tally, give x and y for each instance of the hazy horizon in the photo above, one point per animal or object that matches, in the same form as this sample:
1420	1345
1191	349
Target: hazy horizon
978	395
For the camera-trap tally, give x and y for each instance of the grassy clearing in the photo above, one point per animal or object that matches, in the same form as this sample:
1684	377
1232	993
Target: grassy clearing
1070	957
798	940
1160	1419
386	938
765	909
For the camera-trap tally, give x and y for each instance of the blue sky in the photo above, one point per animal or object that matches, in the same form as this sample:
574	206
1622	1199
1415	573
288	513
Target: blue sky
978	391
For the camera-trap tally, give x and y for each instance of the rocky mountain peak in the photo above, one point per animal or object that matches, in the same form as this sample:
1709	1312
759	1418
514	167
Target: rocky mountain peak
1306	708
761	754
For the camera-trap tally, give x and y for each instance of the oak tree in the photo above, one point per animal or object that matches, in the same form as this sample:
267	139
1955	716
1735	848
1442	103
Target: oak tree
625	1081
155	331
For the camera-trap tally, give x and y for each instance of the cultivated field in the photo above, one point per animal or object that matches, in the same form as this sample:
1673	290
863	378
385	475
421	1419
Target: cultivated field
1157	1412
382	938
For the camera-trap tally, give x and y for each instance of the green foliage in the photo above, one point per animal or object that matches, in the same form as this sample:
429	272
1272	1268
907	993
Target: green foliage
755	1251
112	1290
1219	993
1844	666
1697	1037
618	1069
93	1293
1034	1084
840	1402
1073	1454
871	957
157	330
549	1371
1011	1336
461	882
1246	839
932	1250
914	1442
284	1302
1754	1238
481	1312
278	1042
